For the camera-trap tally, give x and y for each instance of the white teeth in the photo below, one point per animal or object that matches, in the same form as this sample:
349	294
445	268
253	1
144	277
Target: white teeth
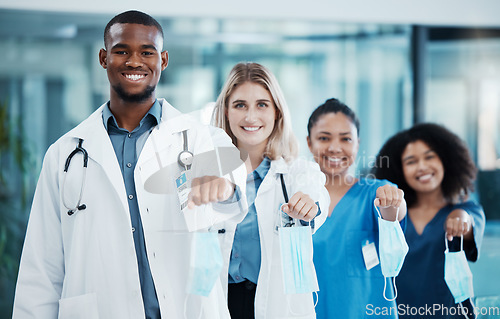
425	177
251	128
134	77
336	160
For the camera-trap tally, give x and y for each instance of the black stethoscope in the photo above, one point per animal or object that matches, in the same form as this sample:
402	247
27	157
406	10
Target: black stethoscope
79	149
185	159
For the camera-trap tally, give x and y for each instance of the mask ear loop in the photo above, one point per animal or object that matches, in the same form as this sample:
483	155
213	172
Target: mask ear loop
464	311
446	242
317	298
380	215
295	313
395	289
393	278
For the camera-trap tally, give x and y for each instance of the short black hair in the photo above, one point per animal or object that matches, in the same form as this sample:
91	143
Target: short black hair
134	17
459	168
332	106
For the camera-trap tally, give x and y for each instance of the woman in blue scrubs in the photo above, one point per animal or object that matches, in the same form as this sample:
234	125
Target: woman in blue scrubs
433	167
345	248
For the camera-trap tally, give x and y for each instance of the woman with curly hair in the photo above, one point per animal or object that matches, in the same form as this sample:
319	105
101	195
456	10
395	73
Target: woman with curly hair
433	167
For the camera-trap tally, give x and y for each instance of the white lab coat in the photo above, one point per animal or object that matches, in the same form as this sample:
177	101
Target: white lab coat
85	266
270	300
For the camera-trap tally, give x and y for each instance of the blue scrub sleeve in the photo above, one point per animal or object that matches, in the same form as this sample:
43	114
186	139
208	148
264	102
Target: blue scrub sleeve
477	214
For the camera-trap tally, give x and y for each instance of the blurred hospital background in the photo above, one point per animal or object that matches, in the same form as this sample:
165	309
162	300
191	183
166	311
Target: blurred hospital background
395	63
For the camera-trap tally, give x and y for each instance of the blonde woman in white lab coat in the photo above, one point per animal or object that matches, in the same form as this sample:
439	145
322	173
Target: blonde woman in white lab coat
253	112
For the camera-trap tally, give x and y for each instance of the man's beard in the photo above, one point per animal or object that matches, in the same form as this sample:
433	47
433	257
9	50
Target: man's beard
134	98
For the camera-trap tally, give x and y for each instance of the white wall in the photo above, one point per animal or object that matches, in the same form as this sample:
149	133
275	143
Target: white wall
481	13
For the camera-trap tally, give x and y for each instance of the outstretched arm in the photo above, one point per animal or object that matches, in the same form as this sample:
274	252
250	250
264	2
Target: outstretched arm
390	200
459	223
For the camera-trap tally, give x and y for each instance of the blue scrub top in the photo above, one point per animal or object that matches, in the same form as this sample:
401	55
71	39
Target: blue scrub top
347	289
421	280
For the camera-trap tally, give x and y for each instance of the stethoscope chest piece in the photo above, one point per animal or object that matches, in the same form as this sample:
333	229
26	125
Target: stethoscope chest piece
185	158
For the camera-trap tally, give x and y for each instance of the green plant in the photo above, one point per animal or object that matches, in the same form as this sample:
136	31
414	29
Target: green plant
15	169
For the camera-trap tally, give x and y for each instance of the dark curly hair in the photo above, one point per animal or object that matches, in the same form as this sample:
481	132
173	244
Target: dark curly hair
459	169
133	17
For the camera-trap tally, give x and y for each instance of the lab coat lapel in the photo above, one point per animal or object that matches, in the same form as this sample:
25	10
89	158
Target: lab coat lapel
162	136
272	177
270	194
100	149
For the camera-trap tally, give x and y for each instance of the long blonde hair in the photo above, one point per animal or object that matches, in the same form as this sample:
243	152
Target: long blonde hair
282	142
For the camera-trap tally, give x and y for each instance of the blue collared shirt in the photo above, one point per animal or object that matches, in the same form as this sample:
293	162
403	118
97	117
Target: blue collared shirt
128	147
245	256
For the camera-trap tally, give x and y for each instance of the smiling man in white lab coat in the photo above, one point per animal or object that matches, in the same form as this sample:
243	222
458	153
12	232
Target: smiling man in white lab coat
100	242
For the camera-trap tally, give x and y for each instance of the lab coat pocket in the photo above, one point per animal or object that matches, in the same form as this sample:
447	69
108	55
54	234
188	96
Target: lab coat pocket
354	256
79	307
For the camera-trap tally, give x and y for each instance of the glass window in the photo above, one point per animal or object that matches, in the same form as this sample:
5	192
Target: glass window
463	93
54	58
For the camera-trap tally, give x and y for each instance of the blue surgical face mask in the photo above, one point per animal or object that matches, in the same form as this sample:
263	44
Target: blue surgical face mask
457	274
296	248
392	250
205	263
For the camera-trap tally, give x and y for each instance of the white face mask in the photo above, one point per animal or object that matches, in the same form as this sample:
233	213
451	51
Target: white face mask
205	264
392	250
457	274
296	249
299	275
